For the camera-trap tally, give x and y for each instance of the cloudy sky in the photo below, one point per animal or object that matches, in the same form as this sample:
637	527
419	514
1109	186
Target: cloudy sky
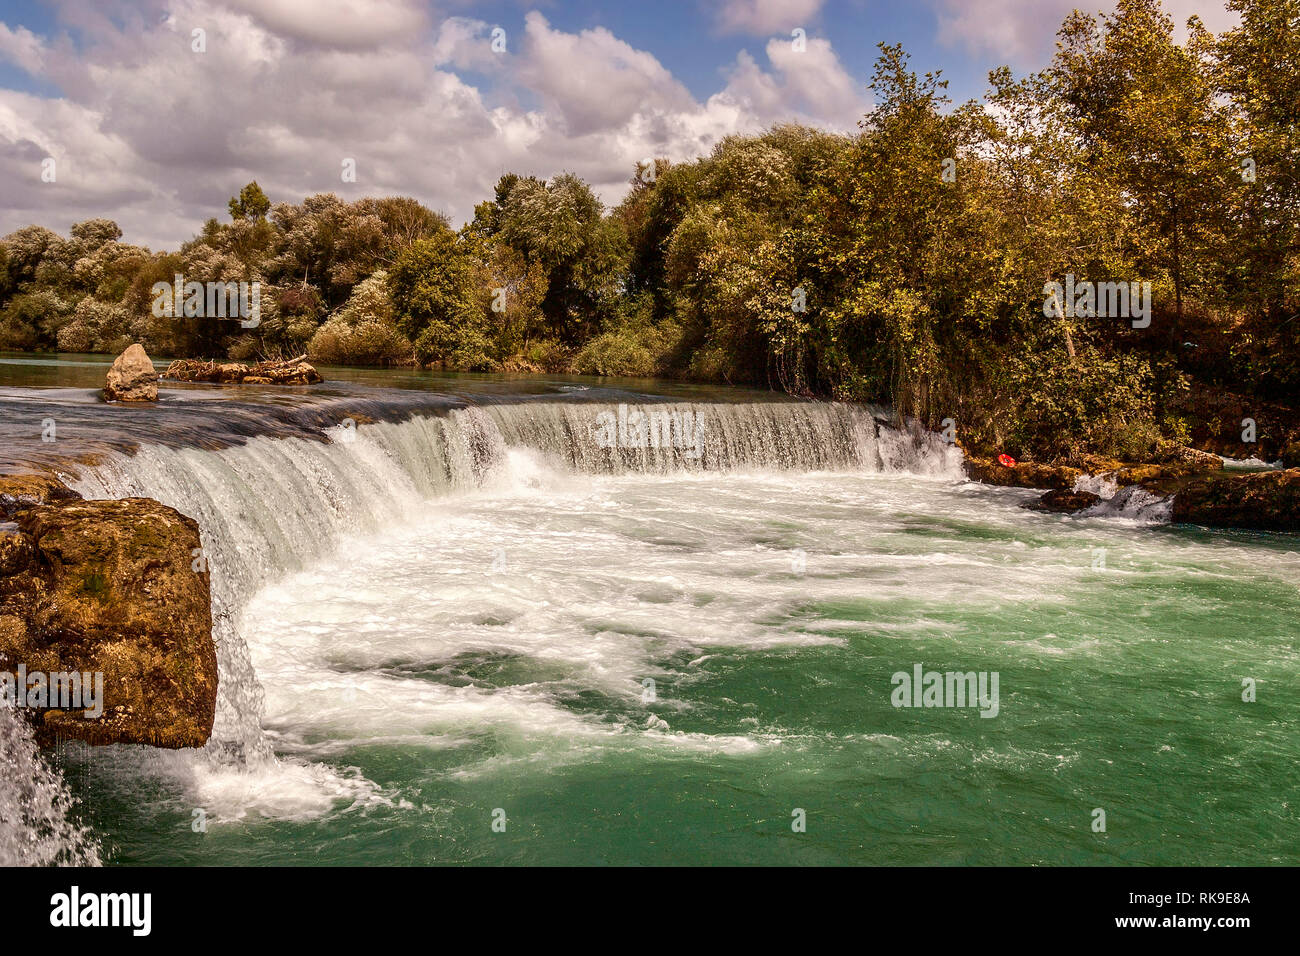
146	128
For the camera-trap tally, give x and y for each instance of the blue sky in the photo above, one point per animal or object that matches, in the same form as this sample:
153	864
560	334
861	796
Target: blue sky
683	35
147	129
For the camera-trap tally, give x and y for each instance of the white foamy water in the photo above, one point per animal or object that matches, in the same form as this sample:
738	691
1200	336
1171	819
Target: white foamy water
496	592
35	829
1131	502
271	508
496	610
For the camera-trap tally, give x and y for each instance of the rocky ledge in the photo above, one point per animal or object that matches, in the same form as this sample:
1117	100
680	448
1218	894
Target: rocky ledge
1177	463
1262	500
295	371
1025	474
111	588
1202	491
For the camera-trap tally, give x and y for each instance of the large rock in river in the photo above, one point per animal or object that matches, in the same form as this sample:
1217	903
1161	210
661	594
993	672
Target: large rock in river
1266	500
132	377
112	587
1063	501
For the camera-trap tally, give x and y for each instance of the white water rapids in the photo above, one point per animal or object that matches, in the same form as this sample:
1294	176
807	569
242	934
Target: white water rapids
270	508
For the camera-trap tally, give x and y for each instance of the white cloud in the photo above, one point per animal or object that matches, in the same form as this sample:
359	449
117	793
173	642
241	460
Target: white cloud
1022	33
338	23
464	44
158	137
765	17
22	48
594	81
809	85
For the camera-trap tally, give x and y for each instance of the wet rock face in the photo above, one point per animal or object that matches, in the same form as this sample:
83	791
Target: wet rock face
132	378
111	587
1267	500
1063	501
1022	474
19	492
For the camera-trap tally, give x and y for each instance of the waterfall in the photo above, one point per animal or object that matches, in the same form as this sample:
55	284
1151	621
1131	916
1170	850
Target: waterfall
35	829
269	505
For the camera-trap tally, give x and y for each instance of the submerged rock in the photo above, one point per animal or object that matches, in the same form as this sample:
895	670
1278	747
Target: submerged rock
1266	500
112	587
1063	501
132	377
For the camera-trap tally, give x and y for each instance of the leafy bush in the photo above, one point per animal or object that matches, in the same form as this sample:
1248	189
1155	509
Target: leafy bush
1093	403
636	346
365	343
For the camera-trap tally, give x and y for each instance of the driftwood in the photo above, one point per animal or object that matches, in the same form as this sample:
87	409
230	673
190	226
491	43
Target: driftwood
294	371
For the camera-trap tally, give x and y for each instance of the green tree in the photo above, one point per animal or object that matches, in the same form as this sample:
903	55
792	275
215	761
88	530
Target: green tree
1258	69
1146	111
251	203
436	291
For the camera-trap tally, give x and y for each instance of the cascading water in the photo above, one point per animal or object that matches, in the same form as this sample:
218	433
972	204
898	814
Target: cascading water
35	828
458	609
268	506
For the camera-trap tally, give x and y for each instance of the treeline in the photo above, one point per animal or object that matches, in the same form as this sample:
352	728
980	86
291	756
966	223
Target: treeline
906	264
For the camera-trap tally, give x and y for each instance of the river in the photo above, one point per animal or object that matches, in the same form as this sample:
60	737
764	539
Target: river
488	622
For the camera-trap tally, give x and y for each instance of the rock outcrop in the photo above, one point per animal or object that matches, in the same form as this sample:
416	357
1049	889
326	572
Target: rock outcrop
1022	474
1175	464
1179	463
111	587
1263	500
295	371
132	378
19	492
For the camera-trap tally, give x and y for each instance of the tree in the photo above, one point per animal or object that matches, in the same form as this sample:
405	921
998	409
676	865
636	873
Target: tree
441	305
560	226
1258	68
1145	108
251	203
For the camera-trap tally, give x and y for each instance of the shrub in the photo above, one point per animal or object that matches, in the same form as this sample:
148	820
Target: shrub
369	342
1093	404
635	349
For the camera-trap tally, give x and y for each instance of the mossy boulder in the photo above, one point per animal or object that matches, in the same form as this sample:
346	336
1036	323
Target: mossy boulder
112	587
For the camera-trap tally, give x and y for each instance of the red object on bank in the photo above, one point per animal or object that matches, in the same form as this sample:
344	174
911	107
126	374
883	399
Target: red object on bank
1006	460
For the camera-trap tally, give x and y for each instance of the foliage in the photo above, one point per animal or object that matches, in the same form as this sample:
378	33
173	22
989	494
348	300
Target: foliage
907	263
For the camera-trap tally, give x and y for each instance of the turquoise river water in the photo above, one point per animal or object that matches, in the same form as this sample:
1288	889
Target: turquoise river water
506	632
